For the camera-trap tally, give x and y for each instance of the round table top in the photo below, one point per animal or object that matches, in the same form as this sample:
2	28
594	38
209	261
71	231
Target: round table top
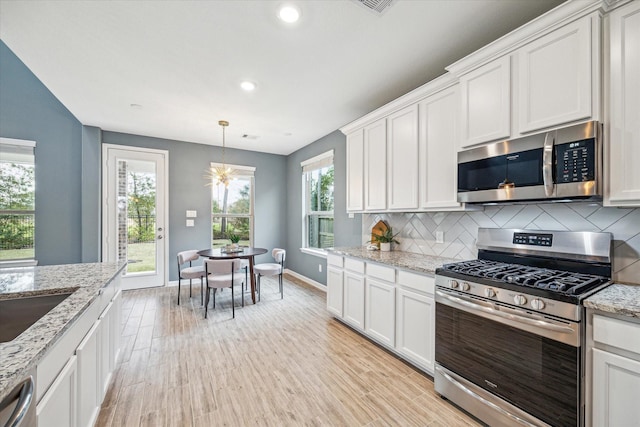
216	253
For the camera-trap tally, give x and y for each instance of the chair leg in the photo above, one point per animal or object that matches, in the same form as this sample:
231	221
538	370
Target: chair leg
190	282
201	300
214	297
233	303
258	284
179	290
206	304
281	287
242	292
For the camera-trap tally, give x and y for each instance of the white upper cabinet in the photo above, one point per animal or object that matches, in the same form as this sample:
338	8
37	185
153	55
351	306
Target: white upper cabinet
555	78
355	171
486	103
623	121
402	152
438	146
375	166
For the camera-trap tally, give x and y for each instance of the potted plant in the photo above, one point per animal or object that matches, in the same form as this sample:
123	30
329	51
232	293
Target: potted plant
385	239
235	239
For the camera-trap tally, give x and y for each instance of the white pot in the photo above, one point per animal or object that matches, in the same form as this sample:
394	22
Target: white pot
385	247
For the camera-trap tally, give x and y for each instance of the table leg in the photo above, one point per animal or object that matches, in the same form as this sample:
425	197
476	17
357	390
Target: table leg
253	280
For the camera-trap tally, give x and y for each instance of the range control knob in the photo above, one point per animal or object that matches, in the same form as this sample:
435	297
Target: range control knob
537	304
453	284
465	286
489	293
519	300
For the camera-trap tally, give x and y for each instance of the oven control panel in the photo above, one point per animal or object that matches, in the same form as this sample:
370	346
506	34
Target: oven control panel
533	239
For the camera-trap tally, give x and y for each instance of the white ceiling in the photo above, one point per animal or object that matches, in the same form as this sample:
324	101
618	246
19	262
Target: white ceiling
182	61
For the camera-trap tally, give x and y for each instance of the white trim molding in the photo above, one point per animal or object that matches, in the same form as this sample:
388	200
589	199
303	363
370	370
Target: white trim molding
305	279
320	253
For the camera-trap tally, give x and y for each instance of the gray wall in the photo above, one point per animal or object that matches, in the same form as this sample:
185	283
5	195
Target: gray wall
28	110
346	230
187	190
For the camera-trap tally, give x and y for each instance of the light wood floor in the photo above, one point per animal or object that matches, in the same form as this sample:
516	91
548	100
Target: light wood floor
279	362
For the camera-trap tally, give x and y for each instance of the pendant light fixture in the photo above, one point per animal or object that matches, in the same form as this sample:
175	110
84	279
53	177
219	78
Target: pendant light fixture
222	174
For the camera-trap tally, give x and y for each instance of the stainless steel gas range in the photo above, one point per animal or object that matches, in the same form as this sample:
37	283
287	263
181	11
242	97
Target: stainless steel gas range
510	326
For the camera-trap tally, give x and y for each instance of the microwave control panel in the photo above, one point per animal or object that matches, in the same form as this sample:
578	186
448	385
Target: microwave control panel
533	239
575	161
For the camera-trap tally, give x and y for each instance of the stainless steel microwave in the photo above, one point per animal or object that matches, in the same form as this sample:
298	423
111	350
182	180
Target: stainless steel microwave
561	164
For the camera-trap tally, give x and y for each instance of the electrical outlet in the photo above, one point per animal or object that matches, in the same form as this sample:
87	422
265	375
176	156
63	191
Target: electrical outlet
320	268
192	214
190	223
439	236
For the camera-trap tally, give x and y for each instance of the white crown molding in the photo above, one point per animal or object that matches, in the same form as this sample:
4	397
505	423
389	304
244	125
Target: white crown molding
436	85
555	18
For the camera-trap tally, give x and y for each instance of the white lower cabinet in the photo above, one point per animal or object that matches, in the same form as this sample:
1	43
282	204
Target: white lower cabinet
393	307
88	358
58	405
380	309
354	299
616	387
415	338
615	381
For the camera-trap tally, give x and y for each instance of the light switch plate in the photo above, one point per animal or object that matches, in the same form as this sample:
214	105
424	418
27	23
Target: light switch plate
190	223
192	214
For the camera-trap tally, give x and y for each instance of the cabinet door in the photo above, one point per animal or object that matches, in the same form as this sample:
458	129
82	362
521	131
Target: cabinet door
334	291
375	166
380	313
486	103
58	405
104	351
624	107
116	331
402	155
554	78
416	328
355	171
88	362
438	148
616	387
354	299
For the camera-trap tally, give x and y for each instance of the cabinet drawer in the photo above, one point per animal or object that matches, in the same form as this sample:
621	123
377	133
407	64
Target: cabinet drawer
354	265
335	260
417	282
381	272
618	333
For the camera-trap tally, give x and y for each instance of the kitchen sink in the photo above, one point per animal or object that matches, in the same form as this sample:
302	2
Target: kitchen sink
18	314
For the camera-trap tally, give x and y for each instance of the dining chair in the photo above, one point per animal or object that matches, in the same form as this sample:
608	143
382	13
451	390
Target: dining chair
272	269
222	273
191	272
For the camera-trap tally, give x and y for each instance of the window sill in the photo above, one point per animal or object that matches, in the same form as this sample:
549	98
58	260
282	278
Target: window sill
320	253
19	263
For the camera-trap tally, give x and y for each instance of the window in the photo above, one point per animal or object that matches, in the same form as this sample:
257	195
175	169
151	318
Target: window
232	207
318	196
17	200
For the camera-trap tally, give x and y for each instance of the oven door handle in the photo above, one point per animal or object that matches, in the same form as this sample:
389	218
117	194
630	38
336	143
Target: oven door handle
492	405
538	323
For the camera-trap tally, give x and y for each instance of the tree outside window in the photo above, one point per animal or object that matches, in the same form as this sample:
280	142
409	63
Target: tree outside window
232	209
318	192
17	200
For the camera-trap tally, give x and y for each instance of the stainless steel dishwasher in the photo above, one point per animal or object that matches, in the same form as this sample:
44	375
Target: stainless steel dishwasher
18	408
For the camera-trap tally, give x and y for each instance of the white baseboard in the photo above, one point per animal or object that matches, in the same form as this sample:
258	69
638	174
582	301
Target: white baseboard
305	279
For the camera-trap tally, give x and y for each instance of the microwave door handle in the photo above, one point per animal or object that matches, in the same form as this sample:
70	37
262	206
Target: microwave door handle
547	163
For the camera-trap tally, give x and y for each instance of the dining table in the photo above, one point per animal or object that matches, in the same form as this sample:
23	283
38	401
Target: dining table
248	253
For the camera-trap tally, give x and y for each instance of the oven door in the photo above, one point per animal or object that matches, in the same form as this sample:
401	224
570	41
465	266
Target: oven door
529	361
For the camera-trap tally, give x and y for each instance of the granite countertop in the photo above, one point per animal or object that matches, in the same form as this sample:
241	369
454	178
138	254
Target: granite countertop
617	299
408	260
23	353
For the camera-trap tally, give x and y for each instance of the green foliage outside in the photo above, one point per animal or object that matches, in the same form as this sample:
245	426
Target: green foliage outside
142	207
225	226
17	193
321	187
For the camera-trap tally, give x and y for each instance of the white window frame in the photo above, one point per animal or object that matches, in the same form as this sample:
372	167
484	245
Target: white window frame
27	261
318	162
240	171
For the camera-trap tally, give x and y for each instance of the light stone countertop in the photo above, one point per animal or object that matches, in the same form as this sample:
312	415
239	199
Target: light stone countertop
617	299
406	260
19	356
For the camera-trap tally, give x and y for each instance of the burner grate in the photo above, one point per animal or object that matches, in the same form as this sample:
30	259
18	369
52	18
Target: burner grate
542	278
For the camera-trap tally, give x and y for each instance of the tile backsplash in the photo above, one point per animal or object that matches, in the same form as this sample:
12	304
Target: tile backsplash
417	231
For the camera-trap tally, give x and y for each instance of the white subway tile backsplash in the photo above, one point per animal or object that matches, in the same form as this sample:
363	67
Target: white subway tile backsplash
417	230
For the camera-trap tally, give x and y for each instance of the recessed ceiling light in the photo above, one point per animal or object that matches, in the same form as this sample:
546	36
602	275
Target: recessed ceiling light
136	106
289	14
247	85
